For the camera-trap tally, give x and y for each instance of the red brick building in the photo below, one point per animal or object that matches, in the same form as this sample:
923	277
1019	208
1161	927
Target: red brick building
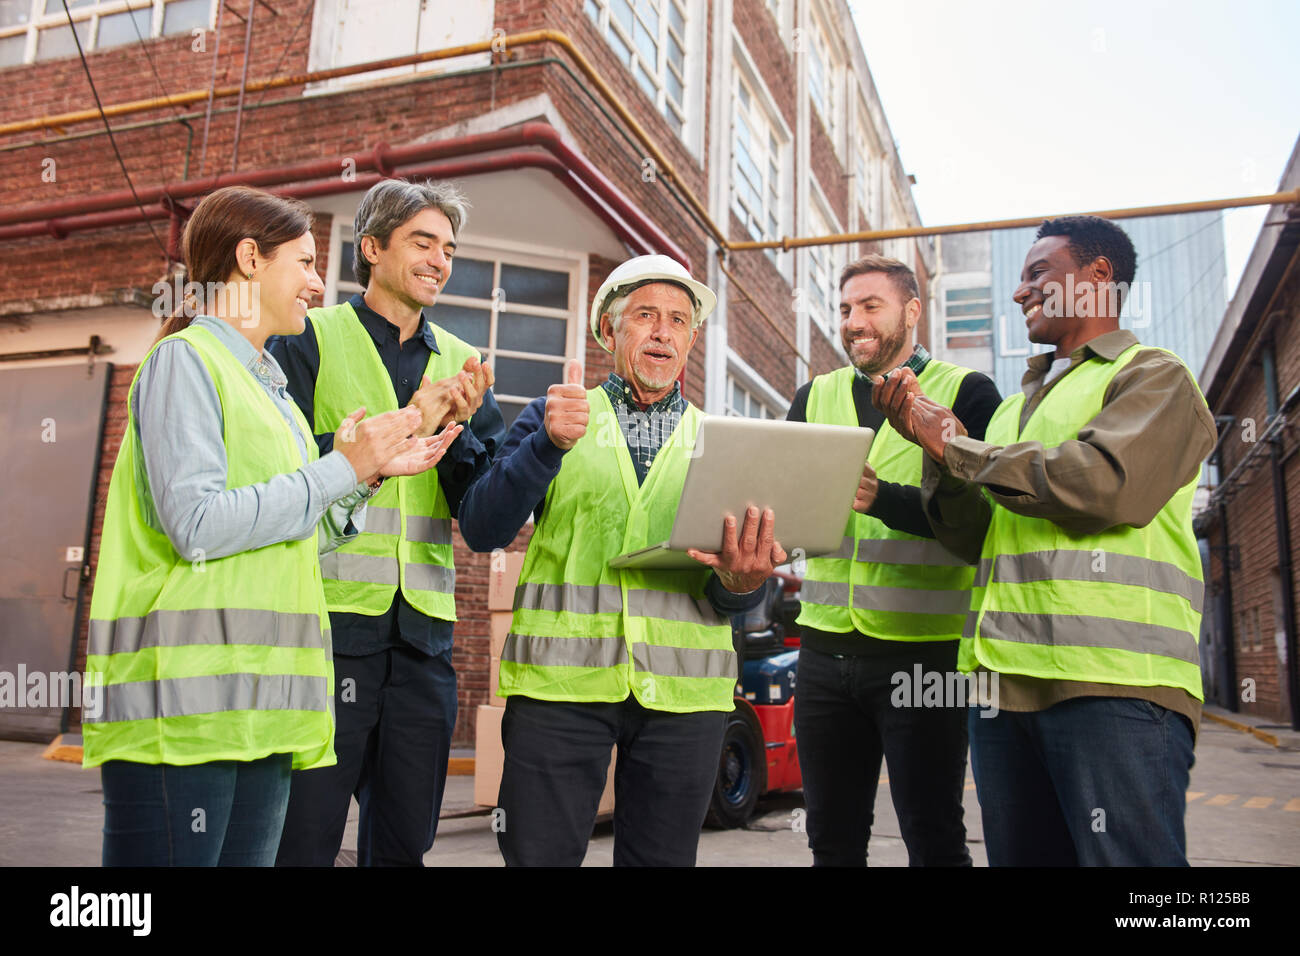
758	116
1251	527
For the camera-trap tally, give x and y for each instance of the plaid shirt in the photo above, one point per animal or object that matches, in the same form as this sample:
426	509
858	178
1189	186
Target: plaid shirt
646	428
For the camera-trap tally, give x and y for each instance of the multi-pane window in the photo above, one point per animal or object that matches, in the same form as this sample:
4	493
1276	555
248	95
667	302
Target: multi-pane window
649	36
900	249
348	32
755	165
742	403
866	171
824	266
968	317
518	311
34	30
822	78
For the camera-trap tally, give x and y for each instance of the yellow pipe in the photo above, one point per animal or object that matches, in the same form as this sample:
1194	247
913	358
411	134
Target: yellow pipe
1168	209
663	166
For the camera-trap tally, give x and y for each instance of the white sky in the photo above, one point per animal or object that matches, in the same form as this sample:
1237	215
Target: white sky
1006	108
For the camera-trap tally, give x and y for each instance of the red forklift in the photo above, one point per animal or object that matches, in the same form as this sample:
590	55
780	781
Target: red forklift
759	752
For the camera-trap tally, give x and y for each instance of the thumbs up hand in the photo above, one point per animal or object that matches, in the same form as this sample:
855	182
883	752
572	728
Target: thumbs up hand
567	409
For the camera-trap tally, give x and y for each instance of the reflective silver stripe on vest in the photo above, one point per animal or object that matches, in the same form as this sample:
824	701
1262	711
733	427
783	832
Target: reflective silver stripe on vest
909	600
1073	630
901	551
184	696
832	593
428	530
564	651
672	606
365	568
1106	567
844	552
206	626
430	577
608	599
380	520
684	661
569	598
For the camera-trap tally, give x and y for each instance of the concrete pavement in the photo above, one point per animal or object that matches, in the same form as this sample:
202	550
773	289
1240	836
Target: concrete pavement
1243	808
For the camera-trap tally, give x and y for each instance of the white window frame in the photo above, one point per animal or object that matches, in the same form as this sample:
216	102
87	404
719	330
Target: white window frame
328	19
959	284
828	258
750	401
48	14
762	99
757	388
867	164
822	49
765	151
688	111
899	249
499	252
1003	338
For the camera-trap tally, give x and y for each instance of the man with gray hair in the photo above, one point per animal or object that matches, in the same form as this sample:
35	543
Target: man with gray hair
601	657
391	591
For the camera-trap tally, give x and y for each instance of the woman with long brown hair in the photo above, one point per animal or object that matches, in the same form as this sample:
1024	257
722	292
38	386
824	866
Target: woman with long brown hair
209	652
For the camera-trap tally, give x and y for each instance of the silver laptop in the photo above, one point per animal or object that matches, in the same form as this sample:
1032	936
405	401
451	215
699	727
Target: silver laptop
807	474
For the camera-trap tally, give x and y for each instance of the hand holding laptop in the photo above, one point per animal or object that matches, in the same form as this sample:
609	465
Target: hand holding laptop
867	490
745	562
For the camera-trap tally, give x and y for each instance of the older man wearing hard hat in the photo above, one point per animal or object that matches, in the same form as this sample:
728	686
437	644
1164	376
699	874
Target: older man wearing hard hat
599	657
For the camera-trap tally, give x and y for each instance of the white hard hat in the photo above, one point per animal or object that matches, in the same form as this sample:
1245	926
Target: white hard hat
644	269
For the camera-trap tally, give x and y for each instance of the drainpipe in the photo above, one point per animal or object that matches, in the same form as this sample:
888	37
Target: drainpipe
58	218
61	217
640	243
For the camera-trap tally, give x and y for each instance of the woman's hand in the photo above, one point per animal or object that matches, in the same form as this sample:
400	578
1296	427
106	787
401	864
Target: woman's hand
425	454
368	445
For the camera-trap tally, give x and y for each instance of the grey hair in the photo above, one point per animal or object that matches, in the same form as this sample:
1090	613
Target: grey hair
618	303
392	202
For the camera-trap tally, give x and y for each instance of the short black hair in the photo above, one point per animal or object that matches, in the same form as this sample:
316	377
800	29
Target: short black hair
1091	237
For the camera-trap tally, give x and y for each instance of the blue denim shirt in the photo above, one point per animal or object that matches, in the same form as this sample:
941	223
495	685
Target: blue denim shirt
180	428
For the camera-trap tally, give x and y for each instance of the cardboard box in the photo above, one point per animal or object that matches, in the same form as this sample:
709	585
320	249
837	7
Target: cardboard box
503	575
494	678
500	624
489	758
488	755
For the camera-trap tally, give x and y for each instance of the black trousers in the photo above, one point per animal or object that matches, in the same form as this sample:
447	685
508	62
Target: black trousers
395	713
845	721
556	762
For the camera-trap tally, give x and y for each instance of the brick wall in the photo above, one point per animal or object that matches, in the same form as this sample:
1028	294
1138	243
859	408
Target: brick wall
1251	518
282	127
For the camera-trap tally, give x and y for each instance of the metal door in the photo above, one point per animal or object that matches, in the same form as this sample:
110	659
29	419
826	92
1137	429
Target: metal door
51	422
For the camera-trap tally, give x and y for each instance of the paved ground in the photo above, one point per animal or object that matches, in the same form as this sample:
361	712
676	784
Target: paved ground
1243	808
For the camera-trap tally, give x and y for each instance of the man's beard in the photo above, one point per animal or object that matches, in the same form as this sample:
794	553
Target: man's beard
646	379
886	349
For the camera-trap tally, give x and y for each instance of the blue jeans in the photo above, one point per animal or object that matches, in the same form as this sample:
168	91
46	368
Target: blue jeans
222	813
1091	781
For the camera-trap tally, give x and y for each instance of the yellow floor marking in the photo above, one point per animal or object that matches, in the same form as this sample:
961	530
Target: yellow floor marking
1194	795
1293	804
1257	803
1221	800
